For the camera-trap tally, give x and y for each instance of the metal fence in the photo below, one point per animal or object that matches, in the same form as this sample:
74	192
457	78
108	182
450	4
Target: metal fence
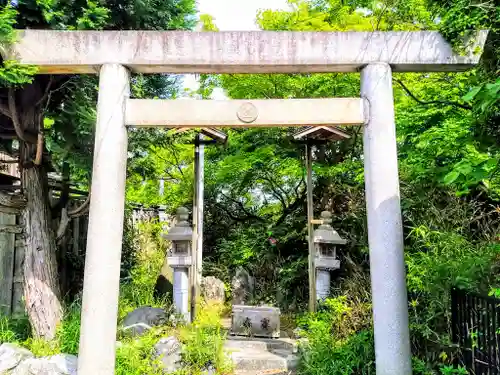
476	329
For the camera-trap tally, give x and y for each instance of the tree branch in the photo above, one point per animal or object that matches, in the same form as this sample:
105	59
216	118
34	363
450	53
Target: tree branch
275	191
446	102
302	181
248	214
82	210
28	138
64	198
46	93
291	208
39	150
4	110
63	224
236	218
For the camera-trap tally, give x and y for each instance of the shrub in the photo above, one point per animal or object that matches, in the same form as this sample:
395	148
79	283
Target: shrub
14	329
337	340
437	262
325	355
138	289
340	317
135	355
68	333
204	342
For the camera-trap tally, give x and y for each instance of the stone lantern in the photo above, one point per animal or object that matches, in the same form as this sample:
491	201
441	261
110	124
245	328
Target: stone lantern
180	259
326	240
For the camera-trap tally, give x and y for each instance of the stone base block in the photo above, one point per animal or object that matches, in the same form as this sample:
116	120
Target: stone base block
253	321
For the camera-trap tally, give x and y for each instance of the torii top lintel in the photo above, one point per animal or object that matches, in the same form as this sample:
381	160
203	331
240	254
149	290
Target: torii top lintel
64	52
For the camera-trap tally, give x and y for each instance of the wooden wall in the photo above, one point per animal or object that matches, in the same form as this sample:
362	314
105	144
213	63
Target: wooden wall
11	264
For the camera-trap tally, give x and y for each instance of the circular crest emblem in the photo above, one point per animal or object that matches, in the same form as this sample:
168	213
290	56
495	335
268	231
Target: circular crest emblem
247	113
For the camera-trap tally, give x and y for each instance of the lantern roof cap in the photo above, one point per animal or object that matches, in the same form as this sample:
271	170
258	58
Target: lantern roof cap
182	231
325	232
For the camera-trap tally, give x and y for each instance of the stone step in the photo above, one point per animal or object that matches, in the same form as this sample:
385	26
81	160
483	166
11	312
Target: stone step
236	342
249	359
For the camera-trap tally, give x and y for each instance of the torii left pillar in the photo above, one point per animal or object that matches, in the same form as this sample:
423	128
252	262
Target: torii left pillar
105	230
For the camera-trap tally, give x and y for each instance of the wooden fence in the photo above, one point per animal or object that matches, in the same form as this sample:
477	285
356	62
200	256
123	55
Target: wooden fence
476	329
70	254
11	264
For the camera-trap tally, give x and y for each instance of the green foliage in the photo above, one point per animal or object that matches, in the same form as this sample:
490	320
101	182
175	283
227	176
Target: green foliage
451	370
485	96
149	254
437	262
12	73
133	357
207	21
61	16
204	343
340	317
68	333
160	156
203	340
14	329
325	355
69	138
339	337
441	260
7	21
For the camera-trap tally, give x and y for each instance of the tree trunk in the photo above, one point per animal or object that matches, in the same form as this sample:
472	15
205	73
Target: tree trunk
41	286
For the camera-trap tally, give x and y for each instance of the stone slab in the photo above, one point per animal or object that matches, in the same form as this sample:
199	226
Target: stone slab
64	52
255	321
257	360
243	343
244	113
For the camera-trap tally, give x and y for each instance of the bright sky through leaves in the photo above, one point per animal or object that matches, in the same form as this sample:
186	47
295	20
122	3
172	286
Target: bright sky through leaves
232	15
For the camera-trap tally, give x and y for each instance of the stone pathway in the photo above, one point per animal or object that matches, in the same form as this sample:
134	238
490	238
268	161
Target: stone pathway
256	356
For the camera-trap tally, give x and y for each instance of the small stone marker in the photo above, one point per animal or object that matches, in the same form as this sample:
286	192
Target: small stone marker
213	289
143	319
242	287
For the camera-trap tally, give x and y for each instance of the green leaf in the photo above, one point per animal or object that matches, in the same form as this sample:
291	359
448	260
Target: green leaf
451	177
48	122
472	93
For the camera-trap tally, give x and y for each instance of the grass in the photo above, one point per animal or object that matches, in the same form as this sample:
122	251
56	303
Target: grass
204	342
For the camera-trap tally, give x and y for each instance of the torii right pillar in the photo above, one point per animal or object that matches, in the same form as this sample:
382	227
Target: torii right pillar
385	229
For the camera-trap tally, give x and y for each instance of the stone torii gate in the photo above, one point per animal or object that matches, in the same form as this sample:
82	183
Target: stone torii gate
114	54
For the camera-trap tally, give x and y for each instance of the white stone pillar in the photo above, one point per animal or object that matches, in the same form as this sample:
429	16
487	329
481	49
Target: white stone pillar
105	229
322	284
181	292
385	230
200	195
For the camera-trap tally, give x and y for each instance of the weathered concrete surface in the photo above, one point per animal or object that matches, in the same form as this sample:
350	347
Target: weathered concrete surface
262	356
244	113
244	343
105	230
385	227
62	52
